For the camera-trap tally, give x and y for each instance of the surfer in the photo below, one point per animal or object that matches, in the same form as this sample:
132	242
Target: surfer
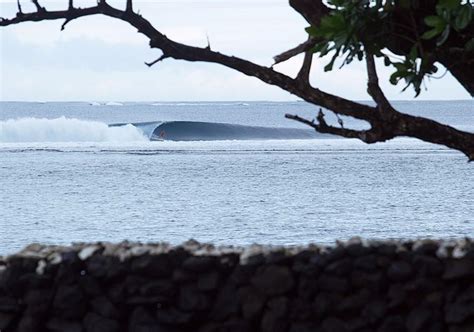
162	134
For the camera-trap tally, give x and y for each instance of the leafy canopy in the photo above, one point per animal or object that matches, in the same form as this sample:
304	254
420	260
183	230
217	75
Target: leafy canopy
407	34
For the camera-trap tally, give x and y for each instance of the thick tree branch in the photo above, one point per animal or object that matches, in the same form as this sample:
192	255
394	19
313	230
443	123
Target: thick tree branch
373	86
382	128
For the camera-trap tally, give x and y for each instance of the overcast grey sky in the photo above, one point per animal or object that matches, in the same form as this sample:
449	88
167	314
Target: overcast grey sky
102	59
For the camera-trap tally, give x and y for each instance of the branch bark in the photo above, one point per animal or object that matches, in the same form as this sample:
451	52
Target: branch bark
383	128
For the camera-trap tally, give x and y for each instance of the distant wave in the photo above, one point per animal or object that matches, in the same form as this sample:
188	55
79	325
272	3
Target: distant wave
209	131
65	130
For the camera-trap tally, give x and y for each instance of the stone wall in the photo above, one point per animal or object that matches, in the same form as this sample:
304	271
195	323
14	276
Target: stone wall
353	286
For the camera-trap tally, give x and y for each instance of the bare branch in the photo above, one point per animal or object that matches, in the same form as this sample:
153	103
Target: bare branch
149	64
38	7
71	5
303	47
368	136
129	7
19	7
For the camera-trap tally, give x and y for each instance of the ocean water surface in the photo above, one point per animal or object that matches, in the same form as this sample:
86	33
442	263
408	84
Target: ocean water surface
228	173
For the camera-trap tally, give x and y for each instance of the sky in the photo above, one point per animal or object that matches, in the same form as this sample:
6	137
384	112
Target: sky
102	59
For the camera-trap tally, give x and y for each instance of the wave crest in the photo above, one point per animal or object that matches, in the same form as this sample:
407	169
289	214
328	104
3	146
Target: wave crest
65	130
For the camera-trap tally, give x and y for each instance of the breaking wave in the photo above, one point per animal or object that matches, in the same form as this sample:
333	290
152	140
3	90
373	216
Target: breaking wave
65	130
209	131
74	130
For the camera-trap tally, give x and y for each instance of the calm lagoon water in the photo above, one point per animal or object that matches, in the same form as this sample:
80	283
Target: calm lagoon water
66	176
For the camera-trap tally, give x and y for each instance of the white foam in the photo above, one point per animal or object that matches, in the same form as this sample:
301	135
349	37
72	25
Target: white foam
65	130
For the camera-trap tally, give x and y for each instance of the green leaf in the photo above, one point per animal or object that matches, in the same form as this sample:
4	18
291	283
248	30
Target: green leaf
431	33
413	53
464	17
444	36
470	45
449	4
312	31
435	21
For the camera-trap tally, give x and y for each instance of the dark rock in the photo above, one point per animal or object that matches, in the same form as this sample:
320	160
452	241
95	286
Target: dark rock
354	302
208	281
273	280
252	301
234	325
303	327
300	310
9	304
163	287
278	258
459	268
61	325
333	284
142	321
102	306
427	266
273	322
180	275
199	263
366	263
69	302
37	301
173	316
226	303
29	324
10	280
459	312
386	249
255	260
90	286
96	323
400	271
278	306
152	265
357	250
243	274
374	281
393	324
332	324
190	299
339	268
374	311
325	304
105	267
428	248
307	287
6	320
396	295
418	319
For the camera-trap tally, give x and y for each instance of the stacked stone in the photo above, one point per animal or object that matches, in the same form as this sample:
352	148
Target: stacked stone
354	286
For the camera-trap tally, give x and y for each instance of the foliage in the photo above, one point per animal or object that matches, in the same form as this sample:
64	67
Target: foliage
379	27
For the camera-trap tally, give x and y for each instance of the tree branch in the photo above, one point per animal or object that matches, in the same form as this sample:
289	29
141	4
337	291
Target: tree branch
382	127
373	86
303	47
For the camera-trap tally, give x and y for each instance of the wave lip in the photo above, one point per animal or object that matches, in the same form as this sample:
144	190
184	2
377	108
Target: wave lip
65	130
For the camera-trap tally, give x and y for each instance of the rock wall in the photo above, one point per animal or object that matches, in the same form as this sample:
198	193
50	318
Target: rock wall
353	286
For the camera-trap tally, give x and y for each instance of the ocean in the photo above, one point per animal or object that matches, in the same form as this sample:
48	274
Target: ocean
230	173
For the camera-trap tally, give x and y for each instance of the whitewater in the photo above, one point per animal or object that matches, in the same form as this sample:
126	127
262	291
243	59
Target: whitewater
233	173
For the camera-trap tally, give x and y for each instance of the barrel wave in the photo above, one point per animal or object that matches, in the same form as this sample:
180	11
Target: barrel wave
210	131
64	129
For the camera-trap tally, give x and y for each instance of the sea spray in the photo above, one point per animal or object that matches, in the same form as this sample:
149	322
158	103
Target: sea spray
64	129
